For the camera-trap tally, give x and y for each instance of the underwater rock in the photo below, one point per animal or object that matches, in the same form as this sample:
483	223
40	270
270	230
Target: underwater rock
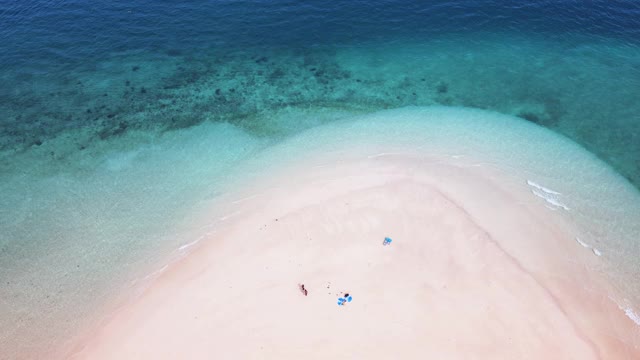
119	130
530	117
442	87
276	74
544	114
122	127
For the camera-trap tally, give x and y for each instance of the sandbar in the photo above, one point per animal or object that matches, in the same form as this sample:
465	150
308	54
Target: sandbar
479	268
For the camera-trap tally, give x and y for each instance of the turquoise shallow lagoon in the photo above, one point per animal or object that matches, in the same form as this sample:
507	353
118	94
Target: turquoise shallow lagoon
119	122
585	89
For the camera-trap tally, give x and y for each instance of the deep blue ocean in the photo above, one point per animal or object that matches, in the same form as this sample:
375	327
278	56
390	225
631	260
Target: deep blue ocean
41	34
89	88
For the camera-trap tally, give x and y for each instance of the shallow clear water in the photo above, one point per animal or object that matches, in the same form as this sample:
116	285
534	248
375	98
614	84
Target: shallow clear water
117	119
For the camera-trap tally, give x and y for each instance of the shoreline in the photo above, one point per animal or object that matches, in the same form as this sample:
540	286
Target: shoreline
172	207
310	201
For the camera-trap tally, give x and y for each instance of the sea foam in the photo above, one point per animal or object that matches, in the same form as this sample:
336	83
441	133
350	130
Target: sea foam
632	315
585	245
550	196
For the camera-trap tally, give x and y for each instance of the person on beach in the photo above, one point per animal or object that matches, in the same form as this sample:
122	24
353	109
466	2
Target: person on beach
304	290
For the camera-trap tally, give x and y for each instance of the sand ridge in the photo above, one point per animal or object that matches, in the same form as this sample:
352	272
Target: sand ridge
478	268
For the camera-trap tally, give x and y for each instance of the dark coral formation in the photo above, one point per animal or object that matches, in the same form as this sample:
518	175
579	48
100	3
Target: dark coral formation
185	89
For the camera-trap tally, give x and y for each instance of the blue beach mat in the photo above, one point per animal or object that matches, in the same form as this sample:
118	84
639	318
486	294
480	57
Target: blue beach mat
342	300
387	241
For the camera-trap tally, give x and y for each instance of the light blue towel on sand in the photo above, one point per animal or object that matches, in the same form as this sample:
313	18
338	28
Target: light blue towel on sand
342	300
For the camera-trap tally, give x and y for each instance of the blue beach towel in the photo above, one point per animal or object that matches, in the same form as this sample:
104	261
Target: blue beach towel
342	300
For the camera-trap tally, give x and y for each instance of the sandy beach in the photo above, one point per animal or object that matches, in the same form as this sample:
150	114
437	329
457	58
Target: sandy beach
478	268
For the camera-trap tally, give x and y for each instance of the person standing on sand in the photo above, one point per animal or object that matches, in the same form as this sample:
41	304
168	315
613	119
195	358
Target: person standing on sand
304	290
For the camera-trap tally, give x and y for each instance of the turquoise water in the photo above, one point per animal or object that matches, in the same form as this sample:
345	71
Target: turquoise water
119	121
582	87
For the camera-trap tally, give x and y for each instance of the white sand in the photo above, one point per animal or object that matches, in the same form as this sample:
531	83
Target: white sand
479	268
